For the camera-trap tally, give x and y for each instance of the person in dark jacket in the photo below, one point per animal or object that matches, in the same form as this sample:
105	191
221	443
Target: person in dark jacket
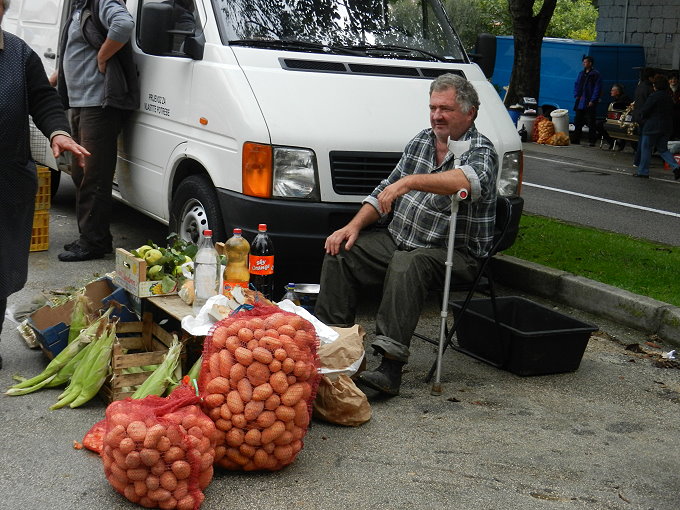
642	92
97	79
24	91
656	114
587	89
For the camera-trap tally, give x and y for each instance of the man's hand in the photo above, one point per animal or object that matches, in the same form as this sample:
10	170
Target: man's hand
61	143
387	196
347	233
53	78
101	63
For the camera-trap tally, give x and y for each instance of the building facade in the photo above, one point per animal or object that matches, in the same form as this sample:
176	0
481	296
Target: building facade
654	24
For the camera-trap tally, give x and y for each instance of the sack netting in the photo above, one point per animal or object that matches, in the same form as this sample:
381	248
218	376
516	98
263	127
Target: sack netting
258	381
159	452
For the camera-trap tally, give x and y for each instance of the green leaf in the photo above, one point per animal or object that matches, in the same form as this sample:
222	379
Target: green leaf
167	284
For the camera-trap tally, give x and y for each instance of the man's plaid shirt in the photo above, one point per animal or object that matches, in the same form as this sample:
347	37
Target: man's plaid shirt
421	220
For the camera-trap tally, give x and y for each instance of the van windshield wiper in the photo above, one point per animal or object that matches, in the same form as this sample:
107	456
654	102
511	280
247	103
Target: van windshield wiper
293	46
391	49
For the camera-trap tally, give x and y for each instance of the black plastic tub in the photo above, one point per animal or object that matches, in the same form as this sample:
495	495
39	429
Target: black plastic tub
529	339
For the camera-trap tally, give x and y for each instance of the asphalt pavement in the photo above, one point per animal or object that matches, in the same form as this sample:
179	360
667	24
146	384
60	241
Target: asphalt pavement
601	437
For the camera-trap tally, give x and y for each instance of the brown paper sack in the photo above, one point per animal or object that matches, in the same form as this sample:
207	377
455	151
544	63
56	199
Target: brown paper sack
341	402
338	399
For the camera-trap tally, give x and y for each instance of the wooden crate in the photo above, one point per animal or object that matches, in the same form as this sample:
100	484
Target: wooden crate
139	344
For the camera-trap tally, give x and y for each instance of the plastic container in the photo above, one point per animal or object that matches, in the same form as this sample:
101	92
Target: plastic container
530	339
290	294
515	111
526	121
206	271
560	119
40	235
236	273
44	194
261	262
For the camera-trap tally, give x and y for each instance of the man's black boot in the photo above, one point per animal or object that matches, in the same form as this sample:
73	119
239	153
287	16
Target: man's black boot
386	378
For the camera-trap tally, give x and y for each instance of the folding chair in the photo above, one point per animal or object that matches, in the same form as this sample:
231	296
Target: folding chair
508	213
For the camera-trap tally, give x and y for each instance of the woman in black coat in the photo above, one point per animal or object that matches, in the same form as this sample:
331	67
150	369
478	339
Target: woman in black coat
24	91
657	116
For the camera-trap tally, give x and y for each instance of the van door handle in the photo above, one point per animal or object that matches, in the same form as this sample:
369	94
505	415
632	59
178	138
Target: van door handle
50	54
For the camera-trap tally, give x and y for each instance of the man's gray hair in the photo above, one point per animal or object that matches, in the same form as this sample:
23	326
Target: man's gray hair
466	94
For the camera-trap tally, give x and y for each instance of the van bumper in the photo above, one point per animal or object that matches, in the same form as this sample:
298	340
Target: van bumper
297	229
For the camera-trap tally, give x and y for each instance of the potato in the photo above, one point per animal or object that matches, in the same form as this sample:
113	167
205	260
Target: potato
137	473
279	382
263	355
219	338
226	361
262	392
213	399
129	493
133	459
218	385
235	402
235	437
247	450
253	409
181	469
232	344
168	504
153	434
245	335
239	420
285	413
266	419
115	436
245	389
258	373
174	453
186	503
272	432
168	481
243	356
159	494
272	402
237	372
292	395
136	430
126	445
149	456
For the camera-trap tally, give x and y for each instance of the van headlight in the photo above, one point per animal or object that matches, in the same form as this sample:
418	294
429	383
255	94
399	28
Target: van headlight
510	178
295	174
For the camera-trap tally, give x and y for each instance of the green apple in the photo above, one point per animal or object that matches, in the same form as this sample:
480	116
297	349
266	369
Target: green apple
143	249
155	272
152	256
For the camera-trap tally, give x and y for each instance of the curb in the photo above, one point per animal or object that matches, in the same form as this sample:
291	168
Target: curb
632	310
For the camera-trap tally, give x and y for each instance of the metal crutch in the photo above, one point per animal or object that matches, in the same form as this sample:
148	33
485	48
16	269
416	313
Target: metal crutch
455	199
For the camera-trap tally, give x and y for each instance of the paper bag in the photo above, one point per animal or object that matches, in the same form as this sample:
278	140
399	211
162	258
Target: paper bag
341	402
338	399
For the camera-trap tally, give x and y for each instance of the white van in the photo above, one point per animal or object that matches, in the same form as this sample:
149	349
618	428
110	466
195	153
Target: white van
286	113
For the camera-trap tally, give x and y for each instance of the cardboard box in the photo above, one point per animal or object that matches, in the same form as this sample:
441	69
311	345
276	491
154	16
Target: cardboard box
131	275
138	344
51	324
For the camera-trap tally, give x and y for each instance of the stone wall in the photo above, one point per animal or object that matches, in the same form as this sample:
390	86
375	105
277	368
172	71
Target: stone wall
655	24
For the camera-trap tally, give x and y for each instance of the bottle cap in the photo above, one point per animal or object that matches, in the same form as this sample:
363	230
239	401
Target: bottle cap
207	232
237	231
262	227
291	286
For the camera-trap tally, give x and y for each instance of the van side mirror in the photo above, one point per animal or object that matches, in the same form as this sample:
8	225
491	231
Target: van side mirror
485	53
155	24
193	47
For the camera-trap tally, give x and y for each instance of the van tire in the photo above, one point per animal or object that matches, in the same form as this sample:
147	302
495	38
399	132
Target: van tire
194	208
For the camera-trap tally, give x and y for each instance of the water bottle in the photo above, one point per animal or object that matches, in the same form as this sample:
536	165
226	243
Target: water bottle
236	274
291	295
206	271
261	262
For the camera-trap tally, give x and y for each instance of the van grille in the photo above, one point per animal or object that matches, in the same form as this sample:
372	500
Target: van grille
358	173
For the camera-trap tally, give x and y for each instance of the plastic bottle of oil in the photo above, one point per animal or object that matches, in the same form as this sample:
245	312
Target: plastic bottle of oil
236	272
262	262
291	294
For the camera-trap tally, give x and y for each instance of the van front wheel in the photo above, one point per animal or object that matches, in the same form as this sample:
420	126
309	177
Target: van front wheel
195	208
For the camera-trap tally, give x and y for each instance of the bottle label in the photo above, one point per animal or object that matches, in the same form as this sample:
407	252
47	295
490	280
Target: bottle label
228	286
261	264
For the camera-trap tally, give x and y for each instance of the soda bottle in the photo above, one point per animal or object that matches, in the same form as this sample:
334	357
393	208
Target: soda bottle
206	271
290	294
261	262
236	273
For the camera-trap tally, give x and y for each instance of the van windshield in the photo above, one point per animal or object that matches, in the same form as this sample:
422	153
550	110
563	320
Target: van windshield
401	29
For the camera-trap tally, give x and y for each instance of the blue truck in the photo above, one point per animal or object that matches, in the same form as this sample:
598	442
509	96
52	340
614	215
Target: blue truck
561	63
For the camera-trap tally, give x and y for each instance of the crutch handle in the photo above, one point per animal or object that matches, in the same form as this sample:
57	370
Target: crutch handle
460	195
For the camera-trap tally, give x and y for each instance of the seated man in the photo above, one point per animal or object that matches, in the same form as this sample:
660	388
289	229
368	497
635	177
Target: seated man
620	100
408	259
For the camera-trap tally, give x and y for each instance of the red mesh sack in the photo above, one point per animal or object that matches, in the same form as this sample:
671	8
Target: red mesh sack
159	452
537	123
258	382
